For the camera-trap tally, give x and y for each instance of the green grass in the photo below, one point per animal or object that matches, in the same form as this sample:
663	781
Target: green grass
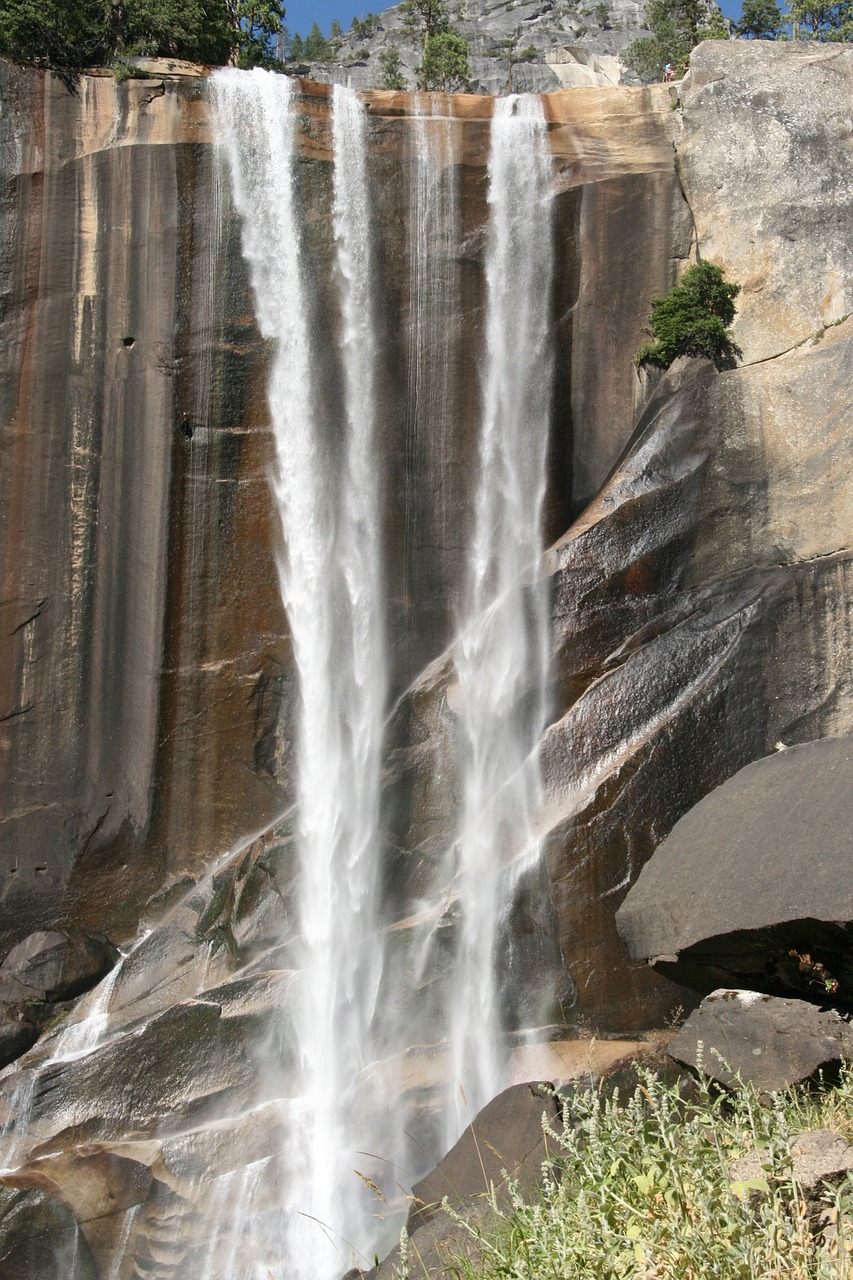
642	1188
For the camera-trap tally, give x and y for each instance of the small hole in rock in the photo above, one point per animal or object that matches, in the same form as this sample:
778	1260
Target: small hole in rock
127	342
188	427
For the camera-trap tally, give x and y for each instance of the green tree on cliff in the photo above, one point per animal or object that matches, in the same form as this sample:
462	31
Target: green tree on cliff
693	319
677	26
71	36
191	29
55	32
819	20
760	20
316	47
444	64
444	53
255	24
392	68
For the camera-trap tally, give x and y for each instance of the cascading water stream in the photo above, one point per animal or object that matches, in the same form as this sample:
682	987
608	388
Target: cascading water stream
502	652
291	1208
331	580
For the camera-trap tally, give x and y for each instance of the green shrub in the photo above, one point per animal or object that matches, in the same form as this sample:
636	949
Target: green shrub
693	320
644	1187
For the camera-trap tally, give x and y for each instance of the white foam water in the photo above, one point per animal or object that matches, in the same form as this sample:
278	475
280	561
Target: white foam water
331	581
502	653
301	1212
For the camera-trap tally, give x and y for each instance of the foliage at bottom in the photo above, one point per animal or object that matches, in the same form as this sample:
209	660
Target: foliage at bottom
643	1188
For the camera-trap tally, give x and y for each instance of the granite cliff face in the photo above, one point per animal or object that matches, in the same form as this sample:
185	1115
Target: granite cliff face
699	562
147	675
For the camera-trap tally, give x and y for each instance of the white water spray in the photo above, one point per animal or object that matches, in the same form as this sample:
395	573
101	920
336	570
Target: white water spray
502	654
328	495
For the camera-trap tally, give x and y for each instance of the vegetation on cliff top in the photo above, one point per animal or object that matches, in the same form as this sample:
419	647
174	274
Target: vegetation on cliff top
648	1188
677	26
69	37
693	319
444	53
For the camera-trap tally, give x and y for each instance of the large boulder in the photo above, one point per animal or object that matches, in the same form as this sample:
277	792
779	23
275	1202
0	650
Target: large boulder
39	976
506	1140
57	964
752	887
765	1041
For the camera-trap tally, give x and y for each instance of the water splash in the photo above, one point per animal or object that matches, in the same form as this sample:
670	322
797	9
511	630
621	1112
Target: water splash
502	653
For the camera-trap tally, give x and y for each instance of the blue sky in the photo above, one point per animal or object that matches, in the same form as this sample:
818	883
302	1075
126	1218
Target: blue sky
302	14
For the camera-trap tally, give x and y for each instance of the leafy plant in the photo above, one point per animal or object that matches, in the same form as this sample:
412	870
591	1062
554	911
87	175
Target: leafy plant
693	319
677	26
645	1187
760	20
392	70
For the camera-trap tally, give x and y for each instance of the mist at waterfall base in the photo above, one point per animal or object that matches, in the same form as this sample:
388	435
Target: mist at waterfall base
329	486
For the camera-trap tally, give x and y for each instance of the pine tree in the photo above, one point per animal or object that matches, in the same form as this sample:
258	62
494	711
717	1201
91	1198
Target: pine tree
62	35
392	71
693	319
677	26
316	46
760	20
444	65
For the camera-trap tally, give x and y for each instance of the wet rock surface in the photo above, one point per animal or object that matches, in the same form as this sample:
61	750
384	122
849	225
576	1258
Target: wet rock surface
506	1140
700	572
39	979
146	667
765	1041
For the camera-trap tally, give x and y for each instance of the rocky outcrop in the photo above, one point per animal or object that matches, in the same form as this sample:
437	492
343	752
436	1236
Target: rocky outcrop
765	163
39	977
699	568
751	886
762	1040
552	46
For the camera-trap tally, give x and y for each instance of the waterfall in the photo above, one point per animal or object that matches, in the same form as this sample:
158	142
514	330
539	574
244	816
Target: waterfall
387	1061
323	398
502	653
327	489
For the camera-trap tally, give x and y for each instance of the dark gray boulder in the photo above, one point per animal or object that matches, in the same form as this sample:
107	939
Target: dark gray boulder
40	976
57	964
766	1041
506	1138
41	1239
752	888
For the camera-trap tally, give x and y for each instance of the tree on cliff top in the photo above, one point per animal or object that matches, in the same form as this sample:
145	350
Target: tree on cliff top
71	36
693	319
822	19
677	26
760	20
54	32
444	58
444	64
